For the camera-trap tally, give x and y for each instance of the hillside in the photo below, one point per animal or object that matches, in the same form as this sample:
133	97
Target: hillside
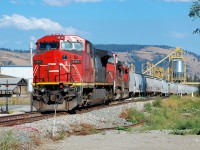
137	54
14	58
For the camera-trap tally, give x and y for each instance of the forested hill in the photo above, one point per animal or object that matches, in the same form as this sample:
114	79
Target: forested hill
126	47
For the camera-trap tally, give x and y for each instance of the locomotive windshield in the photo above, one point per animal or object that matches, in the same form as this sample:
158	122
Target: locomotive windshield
48	45
72	46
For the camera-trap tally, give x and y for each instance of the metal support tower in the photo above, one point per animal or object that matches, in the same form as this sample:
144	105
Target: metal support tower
172	74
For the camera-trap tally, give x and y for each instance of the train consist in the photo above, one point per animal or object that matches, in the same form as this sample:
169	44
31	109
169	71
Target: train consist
69	72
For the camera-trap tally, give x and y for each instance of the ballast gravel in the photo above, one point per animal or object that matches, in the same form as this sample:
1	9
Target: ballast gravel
103	118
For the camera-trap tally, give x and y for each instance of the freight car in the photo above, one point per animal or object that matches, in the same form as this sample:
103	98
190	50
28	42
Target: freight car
147	85
69	72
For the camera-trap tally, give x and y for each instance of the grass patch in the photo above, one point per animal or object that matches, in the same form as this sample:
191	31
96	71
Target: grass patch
59	136
157	102
83	129
12	140
179	114
132	115
8	141
122	128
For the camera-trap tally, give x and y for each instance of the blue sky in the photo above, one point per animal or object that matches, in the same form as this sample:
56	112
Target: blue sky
154	22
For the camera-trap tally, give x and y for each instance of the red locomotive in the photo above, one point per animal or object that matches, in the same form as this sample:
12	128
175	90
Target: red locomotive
70	72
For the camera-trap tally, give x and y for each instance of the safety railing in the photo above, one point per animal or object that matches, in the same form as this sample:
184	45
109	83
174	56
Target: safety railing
57	78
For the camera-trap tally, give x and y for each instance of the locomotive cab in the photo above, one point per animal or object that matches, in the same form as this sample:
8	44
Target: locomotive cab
63	58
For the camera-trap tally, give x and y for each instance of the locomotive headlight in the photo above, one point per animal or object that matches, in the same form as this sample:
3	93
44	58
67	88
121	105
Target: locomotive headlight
65	89
42	90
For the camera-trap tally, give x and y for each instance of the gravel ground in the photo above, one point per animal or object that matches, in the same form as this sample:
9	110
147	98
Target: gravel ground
113	140
103	118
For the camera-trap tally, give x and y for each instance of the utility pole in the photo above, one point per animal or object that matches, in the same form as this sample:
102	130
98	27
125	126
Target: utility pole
31	53
7	96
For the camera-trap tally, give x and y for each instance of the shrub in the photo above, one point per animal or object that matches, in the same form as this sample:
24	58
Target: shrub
122	128
132	115
148	107
157	103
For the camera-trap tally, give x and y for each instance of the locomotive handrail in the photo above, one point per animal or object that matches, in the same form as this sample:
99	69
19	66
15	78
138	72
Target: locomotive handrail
37	70
109	72
111	76
81	80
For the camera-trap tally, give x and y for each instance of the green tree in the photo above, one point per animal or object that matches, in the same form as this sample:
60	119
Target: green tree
195	12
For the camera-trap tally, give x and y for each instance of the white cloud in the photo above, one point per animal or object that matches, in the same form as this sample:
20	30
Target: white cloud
179	1
13	1
67	2
178	35
32	23
27	2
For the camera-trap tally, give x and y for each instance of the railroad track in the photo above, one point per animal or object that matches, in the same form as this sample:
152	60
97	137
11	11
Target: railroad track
12	120
18	119
112	104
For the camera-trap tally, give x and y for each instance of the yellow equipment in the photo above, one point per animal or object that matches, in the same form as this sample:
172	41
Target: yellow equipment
177	67
157	72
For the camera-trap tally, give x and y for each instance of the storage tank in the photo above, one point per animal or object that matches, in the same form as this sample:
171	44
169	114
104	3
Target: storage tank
178	66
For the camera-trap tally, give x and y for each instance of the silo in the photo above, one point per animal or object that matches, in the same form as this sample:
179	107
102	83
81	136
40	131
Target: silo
178	66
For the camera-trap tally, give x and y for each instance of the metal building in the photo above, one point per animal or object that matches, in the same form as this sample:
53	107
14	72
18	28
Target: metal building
10	86
25	72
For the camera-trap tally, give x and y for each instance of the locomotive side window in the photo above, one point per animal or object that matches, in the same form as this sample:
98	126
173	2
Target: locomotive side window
72	46
48	45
